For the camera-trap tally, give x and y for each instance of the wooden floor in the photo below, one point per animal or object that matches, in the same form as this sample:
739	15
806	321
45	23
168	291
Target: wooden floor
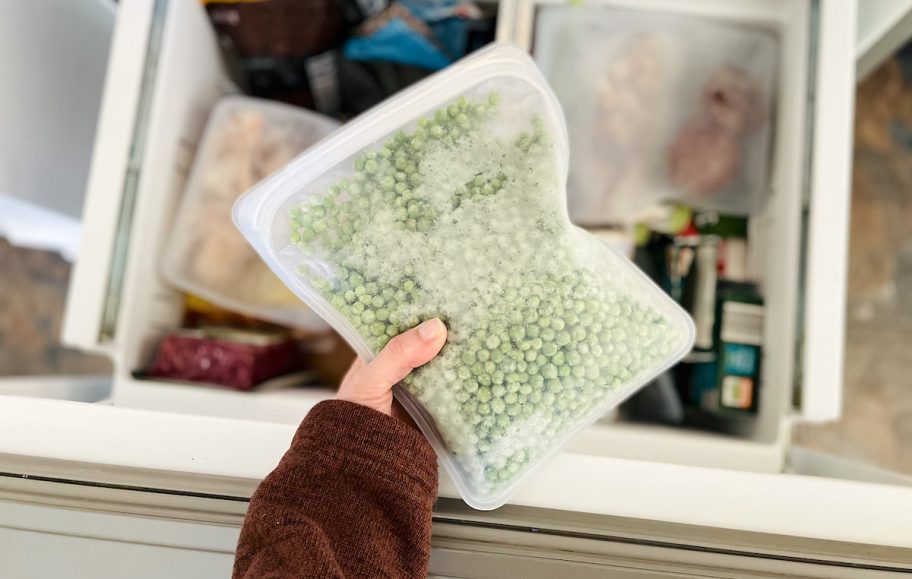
33	288
877	423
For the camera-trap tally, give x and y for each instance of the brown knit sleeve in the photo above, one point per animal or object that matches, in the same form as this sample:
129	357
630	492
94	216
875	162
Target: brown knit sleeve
352	497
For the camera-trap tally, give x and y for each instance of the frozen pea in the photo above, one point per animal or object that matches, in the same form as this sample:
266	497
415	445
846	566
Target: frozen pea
549	371
593	373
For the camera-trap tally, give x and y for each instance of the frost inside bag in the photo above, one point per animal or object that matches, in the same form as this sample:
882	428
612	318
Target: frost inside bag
448	200
659	107
245	140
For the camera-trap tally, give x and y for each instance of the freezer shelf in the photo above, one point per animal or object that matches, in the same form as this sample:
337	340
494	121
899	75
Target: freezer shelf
138	175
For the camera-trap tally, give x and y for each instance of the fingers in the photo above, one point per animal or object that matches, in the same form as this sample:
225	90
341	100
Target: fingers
403	354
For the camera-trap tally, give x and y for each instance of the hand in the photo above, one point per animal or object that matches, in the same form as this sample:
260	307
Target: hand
371	384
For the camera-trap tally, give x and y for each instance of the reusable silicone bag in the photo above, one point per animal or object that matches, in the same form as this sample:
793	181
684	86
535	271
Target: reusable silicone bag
660	107
448	200
245	140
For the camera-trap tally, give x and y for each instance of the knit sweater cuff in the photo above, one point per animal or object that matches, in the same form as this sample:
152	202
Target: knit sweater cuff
373	441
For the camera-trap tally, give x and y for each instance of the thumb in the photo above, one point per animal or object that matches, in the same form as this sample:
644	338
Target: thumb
402	354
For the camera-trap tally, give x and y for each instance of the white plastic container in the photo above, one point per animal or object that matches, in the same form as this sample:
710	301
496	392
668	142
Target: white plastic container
660	107
448	200
245	140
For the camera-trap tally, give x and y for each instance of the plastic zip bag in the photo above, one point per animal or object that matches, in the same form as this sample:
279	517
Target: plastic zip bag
245	140
448	200
660	107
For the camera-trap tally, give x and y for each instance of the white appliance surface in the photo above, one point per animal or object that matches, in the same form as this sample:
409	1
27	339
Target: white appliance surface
228	457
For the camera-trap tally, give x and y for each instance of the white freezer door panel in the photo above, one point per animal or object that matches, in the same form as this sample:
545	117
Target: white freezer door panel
827	257
229	457
108	174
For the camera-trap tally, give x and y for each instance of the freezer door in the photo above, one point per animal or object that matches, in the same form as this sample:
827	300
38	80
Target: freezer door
578	508
826	212
151	117
115	149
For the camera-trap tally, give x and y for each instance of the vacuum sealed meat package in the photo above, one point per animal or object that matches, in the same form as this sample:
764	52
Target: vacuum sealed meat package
245	140
660	107
448	200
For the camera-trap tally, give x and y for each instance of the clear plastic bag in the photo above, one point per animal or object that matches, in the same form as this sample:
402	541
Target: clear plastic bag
448	200
245	140
660	107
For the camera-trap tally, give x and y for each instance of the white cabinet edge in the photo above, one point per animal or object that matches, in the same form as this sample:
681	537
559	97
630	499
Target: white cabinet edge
107	174
828	226
211	447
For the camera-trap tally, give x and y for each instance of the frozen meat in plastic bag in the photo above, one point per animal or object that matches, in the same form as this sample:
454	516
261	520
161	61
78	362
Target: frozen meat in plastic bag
245	140
660	107
448	200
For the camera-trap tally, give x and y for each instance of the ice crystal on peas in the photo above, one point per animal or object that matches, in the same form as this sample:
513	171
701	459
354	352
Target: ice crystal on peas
463	218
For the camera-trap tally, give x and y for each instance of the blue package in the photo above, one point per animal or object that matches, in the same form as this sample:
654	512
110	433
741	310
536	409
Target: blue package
396	41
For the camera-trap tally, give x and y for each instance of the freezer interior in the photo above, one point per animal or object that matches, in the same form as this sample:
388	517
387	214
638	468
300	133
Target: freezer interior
184	78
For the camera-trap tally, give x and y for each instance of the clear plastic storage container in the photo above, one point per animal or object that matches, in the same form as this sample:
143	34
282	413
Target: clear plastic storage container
660	107
448	200
245	140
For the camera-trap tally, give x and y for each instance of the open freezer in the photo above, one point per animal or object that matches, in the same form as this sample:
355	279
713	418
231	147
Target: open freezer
178	452
166	73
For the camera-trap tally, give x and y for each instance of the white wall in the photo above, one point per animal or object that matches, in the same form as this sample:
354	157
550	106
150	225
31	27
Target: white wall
53	54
